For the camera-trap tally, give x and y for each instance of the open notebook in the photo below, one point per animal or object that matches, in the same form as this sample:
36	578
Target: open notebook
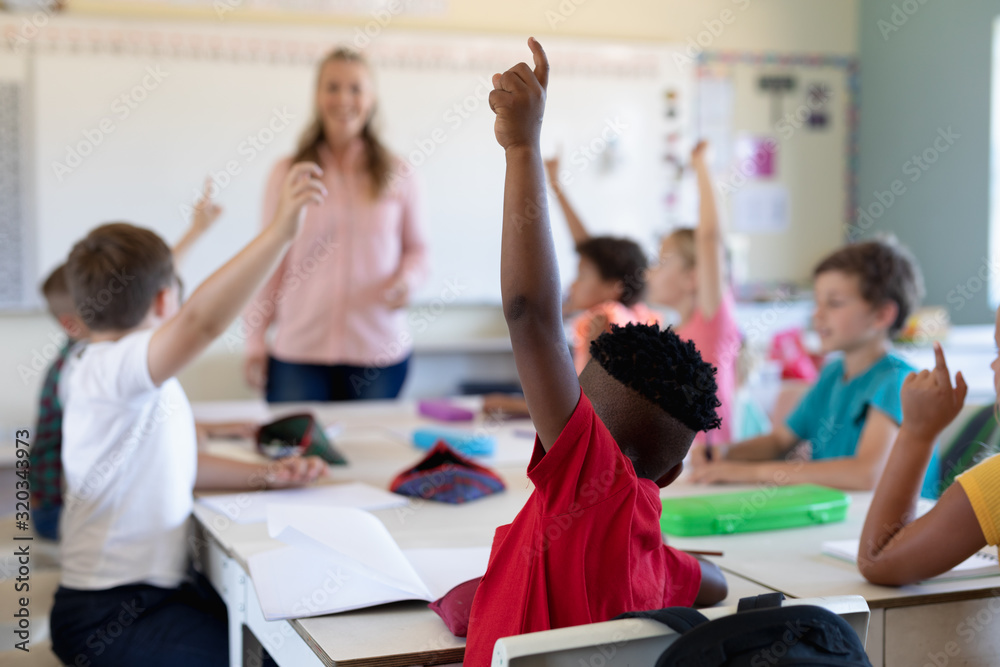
983	563
339	559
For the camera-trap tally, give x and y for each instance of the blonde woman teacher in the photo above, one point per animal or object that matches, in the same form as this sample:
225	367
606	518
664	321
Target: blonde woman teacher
338	300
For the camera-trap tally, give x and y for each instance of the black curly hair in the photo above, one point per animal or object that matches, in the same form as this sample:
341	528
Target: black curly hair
618	260
664	369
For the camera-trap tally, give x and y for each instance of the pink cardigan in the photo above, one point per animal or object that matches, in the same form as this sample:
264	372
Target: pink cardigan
327	295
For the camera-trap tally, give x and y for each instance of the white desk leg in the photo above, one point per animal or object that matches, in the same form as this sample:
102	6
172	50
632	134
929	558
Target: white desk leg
229	581
279	638
948	634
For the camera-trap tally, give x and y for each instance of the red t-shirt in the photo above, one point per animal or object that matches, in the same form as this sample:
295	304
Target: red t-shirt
584	548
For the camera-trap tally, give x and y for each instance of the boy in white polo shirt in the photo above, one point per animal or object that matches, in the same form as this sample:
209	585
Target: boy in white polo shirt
129	444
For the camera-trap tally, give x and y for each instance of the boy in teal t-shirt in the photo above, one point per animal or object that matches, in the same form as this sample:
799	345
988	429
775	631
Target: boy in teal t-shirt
864	294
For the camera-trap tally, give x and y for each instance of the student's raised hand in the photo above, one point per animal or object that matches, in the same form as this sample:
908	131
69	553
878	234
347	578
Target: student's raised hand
206	211
300	188
552	170
699	154
518	100
295	471
930	402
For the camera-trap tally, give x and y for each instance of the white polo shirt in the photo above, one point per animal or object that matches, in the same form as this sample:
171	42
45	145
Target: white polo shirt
129	460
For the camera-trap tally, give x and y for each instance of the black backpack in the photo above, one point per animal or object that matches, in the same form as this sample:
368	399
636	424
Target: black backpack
760	634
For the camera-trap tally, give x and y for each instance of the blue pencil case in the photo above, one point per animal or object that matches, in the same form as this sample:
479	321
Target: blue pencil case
464	442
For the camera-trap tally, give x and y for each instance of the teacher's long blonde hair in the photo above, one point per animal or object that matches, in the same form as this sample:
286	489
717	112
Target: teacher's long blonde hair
379	159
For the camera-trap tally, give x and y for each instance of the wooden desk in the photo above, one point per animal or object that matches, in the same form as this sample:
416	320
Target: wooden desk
910	626
387	636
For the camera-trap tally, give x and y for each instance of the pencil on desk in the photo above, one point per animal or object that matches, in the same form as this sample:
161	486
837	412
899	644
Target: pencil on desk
702	553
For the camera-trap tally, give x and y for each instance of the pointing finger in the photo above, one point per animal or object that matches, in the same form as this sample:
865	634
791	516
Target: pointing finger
541	62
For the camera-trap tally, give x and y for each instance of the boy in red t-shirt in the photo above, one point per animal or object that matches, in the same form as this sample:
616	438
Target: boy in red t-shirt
587	545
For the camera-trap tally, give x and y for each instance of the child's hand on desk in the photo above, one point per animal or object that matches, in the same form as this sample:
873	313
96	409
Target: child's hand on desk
929	401
294	471
301	187
518	100
720	472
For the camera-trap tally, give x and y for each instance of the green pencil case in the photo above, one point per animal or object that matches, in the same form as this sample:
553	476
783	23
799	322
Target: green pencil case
766	508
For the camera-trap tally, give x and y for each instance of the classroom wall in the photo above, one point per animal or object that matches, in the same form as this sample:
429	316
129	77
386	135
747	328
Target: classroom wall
793	26
922	73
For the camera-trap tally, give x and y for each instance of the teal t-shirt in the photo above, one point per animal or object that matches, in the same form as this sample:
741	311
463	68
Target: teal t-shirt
832	415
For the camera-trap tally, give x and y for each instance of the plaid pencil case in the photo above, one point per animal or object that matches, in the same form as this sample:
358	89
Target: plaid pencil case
447	476
297	434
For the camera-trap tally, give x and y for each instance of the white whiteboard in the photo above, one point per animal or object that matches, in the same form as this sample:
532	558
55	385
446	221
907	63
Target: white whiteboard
217	85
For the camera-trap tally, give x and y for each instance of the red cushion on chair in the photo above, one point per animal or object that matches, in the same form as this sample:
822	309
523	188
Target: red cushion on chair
454	607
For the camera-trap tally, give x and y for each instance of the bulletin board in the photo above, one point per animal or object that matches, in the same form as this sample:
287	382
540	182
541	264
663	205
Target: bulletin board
784	129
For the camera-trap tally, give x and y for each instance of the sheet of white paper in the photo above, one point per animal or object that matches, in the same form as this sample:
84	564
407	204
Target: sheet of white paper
443	569
252	506
301	581
983	563
360	541
761	208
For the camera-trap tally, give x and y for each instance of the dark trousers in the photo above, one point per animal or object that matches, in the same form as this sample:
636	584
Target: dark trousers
288	381
141	625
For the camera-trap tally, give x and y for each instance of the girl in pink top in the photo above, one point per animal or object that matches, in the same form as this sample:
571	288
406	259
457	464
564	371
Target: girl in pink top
690	278
339	298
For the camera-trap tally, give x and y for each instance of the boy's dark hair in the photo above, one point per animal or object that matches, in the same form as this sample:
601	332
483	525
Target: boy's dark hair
664	369
618	260
886	271
114	274
56	292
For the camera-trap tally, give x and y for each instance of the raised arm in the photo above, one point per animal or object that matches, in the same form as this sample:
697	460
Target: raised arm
217	302
708	240
204	214
576	228
529	276
894	549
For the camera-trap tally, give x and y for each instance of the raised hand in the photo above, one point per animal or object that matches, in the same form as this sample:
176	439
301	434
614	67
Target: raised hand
300	188
930	402
699	154
552	170
518	100
206	211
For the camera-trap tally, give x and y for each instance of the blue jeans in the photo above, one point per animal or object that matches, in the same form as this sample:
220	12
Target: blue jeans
45	521
288	381
141	625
